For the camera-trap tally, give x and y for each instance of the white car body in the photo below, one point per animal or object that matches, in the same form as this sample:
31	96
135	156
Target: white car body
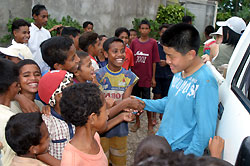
234	124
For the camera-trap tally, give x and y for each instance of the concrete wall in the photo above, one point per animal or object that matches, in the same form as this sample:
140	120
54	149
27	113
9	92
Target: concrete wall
107	15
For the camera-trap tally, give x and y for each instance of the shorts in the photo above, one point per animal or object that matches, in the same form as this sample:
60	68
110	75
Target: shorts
115	149
141	92
162	86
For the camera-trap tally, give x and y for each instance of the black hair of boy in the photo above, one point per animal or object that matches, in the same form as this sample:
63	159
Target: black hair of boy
209	29
151	146
70	31
9	74
132	30
144	22
86	23
19	23
54	50
23	131
182	37
120	30
164	26
101	37
109	41
187	19
37	9
79	101
26	62
87	39
81	55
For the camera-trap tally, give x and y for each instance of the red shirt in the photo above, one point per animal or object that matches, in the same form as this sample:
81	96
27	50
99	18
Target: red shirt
145	54
129	59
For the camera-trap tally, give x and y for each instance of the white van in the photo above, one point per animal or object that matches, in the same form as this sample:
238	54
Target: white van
234	96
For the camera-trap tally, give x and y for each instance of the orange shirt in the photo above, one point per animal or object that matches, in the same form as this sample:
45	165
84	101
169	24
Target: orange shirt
129	59
74	157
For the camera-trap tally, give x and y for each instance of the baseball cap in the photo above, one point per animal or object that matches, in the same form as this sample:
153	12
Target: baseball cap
20	51
218	32
236	24
52	83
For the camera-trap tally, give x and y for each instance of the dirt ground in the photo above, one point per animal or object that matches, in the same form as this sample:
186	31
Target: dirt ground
134	138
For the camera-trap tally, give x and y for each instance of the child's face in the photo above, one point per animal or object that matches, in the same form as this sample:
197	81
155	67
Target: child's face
133	35
124	37
86	72
13	59
29	78
96	48
22	34
76	41
102	118
13	90
42	18
101	51
176	60
116	54
72	61
44	142
89	28
144	30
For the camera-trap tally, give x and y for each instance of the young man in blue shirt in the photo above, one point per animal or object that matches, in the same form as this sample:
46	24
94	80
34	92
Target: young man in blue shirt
190	109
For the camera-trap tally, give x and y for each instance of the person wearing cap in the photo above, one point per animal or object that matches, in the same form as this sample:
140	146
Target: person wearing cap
50	91
232	29
16	52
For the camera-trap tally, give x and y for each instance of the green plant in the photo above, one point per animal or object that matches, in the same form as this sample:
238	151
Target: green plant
222	16
154	25
172	14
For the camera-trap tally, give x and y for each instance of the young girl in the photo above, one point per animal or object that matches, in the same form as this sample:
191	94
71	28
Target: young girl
29	76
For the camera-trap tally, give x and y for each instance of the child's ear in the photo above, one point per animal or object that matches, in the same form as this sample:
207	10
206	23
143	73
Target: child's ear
92	118
33	150
105	54
191	54
58	66
34	16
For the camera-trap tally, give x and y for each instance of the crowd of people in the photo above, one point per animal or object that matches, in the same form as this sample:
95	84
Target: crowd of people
67	100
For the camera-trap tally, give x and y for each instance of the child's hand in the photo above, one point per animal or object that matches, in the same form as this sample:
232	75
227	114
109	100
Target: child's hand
110	102
216	146
128	117
162	63
205	58
134	103
46	110
26	104
153	83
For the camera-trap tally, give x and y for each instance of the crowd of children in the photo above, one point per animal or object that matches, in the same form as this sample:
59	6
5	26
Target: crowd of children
67	100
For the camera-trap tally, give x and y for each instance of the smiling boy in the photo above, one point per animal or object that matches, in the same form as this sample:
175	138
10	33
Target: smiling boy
189	118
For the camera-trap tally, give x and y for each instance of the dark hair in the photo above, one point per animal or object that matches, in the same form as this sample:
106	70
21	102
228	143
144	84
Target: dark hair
8	74
151	146
86	23
212	161
132	30
229	36
79	101
209	29
19	23
144	22
186	19
23	130
55	49
120	30
70	31
164	26
87	39
82	55
109	41
182	37
37	9
26	62
101	37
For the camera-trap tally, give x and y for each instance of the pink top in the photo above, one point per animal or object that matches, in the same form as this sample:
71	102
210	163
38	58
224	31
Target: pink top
74	157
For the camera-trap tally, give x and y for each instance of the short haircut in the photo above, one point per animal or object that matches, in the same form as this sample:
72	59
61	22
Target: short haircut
8	74
101	37
144	22
79	101
23	131
132	30
109	41
164	26
120	30
37	9
182	37
151	146
86	23
55	49
209	29
87	39
229	36
82	55
19	23
186	19
70	31
26	62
